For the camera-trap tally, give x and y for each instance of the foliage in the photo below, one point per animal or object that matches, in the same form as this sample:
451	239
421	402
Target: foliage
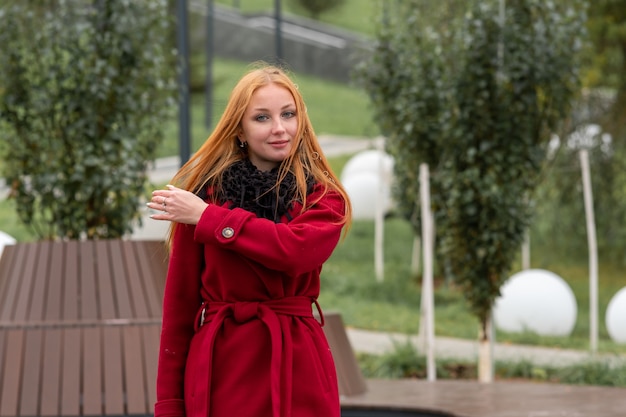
509	101
405	362
406	79
84	89
604	105
316	7
476	100
607	30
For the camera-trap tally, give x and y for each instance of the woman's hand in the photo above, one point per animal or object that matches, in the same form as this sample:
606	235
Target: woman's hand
176	205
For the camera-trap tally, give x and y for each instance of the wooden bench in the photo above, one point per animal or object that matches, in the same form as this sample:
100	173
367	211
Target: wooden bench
79	327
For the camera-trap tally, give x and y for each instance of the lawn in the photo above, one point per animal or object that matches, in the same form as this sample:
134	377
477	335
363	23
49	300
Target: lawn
354	15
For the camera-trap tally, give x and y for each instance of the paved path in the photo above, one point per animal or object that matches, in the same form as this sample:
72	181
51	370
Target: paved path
451	348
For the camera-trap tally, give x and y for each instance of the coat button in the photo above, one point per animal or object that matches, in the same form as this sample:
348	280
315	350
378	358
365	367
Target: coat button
228	232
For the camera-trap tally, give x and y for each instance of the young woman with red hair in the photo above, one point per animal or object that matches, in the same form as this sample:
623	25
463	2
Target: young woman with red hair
255	213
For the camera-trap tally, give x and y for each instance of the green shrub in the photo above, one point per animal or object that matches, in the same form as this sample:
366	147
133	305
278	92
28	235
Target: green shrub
84	89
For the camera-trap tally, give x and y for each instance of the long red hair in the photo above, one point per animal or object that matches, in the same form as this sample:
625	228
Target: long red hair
221	149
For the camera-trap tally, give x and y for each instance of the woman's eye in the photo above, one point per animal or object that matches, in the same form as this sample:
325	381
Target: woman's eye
288	114
261	118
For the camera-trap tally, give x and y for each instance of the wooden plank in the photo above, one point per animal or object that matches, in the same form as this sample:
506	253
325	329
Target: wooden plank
120	280
87	281
151	337
144	254
3	360
26	278
7	263
108	308
349	375
41	279
12	375
12	287
158	259
71	295
54	300
51	373
91	375
31	373
135	283
71	375
113	375
134	372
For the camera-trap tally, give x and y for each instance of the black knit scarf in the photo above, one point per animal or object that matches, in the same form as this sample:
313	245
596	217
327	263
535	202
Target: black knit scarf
246	187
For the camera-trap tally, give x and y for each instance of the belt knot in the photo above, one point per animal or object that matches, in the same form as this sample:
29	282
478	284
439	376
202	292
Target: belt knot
244	311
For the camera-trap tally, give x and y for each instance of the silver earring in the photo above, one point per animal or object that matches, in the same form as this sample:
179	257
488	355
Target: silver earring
243	145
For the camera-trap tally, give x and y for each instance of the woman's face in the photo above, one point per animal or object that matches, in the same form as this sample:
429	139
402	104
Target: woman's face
269	125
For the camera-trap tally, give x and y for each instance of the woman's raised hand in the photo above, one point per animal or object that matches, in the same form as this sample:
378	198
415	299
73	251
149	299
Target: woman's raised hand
176	205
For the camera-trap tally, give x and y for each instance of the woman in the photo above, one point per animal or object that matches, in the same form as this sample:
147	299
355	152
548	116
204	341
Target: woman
255	214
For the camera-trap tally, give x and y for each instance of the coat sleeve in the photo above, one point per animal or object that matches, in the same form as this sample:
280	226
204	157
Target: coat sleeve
297	247
181	301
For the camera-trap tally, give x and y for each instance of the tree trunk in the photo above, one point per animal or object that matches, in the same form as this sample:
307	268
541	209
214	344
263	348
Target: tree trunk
485	352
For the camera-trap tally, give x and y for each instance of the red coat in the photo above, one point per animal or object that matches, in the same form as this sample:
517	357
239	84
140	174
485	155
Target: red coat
252	282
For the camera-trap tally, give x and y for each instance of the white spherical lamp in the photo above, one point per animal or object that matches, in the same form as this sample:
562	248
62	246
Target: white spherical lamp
363	190
374	161
367	180
5	240
538	301
615	318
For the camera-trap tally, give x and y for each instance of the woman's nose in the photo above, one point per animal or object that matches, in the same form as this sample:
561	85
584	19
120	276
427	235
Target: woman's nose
278	126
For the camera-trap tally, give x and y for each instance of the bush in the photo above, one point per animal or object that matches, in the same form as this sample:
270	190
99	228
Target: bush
84	90
405	362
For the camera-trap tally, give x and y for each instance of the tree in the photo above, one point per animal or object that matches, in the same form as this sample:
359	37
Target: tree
477	102
316	7
603	104
84	89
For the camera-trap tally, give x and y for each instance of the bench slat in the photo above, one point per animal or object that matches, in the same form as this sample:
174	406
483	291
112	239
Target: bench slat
70	384
54	300
51	373
120	281
41	279
104	280
11	374
136	290
31	373
134	372
91	372
23	297
70	287
152	262
12	287
8	261
113	376
151	336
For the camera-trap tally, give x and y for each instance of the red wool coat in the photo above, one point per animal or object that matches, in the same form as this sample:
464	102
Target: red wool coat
238	336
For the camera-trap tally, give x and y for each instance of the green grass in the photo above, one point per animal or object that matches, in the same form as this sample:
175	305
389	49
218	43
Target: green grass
354	15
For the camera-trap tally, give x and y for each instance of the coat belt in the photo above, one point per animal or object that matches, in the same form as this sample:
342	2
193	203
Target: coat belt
213	313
